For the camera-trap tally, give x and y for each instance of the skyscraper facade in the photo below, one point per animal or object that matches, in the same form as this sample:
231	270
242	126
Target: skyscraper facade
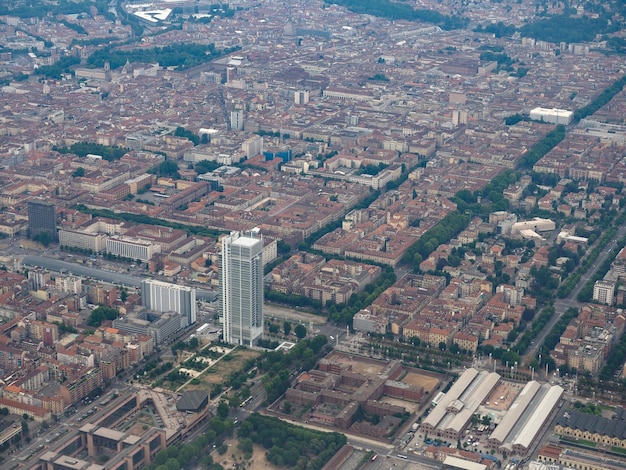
42	219
241	287
165	297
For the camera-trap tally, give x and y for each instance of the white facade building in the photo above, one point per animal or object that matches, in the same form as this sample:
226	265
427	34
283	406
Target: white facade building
252	146
241	287
132	248
552	115
165	297
69	285
603	292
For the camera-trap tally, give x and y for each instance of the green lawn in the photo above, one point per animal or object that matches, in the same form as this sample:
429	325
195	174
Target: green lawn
581	442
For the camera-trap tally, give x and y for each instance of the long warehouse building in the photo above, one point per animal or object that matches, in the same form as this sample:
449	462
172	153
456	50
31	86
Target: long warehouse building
454	412
523	421
517	409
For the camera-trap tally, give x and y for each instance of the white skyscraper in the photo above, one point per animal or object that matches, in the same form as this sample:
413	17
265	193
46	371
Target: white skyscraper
165	297
241	287
236	119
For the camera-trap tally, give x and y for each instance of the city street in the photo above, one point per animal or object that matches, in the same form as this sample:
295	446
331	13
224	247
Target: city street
99	273
561	305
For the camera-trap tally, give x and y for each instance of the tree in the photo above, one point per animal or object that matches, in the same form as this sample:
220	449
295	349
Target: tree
79	172
169	168
300	331
223	409
245	445
442	345
274	328
43	237
172	464
100	314
287	328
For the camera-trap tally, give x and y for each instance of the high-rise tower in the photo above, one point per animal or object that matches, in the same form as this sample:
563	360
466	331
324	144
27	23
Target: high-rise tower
42	219
241	287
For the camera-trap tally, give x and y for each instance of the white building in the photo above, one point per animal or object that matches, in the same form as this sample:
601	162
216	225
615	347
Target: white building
236	119
301	97
564	235
95	242
603	292
162	297
241	287
552	115
132	248
69	284
252	146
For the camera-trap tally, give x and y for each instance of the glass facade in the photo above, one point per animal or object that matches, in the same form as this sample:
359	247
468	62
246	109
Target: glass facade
241	287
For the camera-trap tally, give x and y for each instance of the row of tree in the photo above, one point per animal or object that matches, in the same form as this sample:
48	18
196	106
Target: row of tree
554	336
442	232
541	148
360	300
144	219
600	100
179	55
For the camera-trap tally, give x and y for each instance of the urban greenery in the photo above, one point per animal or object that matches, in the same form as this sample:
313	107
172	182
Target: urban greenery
181	56
100	314
56	71
541	148
144	219
288	445
401	11
82	149
565	28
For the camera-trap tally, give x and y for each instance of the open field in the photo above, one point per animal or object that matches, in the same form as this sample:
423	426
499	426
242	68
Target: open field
427	382
257	462
360	365
218	372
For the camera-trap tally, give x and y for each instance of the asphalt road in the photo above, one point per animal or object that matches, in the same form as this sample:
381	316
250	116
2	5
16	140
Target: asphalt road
99	273
561	305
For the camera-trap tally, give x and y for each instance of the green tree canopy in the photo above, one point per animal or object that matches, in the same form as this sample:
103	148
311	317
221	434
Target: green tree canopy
100	314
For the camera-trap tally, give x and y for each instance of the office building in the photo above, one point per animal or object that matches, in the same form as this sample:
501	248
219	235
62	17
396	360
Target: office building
161	296
160	327
241	287
42	219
